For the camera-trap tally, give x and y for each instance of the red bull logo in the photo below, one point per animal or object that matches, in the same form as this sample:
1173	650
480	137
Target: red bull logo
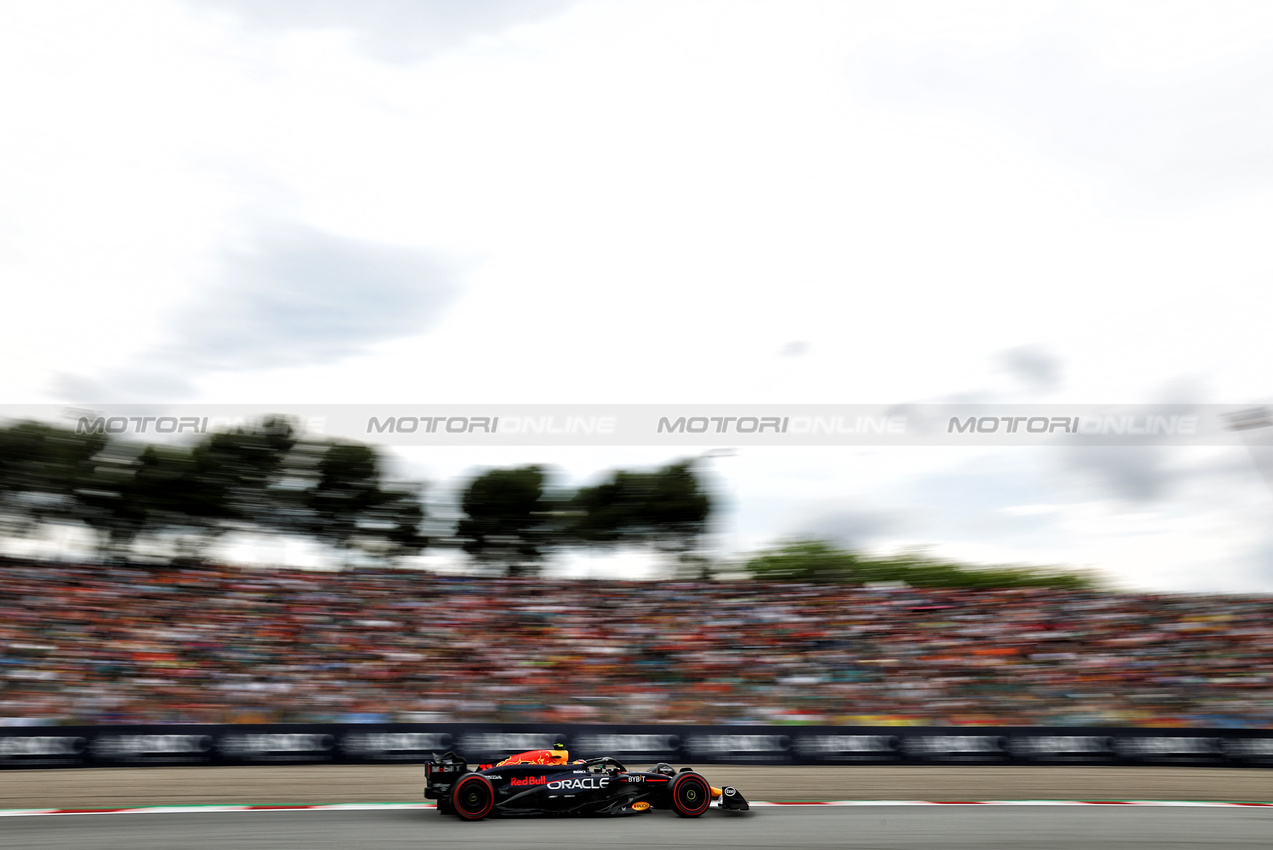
530	780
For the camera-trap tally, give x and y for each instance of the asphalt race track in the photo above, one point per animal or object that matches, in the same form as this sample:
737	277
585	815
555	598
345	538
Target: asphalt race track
876	827
868	826
326	784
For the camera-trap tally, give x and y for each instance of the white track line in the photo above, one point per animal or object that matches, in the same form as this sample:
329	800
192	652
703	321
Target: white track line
158	810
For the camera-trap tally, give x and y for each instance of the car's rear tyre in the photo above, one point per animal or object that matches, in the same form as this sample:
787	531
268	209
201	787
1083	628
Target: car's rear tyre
691	795
473	797
445	807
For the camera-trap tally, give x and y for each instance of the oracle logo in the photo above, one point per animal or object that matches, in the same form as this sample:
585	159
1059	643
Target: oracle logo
592	783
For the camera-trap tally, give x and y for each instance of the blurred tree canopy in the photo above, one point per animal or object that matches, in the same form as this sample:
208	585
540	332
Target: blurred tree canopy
262	478
666	509
819	562
509	521
348	505
267	479
41	468
514	519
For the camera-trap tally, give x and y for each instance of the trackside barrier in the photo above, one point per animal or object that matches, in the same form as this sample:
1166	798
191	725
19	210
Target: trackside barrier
411	743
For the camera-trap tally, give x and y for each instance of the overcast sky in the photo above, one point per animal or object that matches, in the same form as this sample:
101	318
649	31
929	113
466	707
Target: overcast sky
409	201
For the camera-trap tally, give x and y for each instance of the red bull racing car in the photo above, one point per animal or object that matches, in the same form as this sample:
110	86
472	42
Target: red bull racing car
542	782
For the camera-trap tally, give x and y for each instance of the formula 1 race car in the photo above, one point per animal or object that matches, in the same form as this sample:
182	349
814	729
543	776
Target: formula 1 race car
542	782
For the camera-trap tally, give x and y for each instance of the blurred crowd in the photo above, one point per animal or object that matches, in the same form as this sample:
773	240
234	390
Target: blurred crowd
95	644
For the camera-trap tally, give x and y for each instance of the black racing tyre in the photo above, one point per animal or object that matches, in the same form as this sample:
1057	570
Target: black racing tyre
473	797
691	795
445	807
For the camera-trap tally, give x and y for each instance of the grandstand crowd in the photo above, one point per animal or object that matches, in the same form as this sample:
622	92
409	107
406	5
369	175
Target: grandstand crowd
122	644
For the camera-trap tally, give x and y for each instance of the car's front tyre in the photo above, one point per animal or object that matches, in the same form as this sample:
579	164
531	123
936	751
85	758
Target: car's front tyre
691	795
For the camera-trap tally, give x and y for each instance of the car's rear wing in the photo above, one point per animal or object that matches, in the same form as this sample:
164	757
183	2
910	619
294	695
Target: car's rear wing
440	773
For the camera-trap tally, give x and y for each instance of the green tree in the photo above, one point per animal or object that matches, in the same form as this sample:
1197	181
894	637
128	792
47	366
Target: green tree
678	509
666	509
818	561
40	468
510	521
349	507
259	478
805	560
190	495
236	477
129	493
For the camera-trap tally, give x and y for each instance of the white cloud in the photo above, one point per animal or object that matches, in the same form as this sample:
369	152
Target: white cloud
640	202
